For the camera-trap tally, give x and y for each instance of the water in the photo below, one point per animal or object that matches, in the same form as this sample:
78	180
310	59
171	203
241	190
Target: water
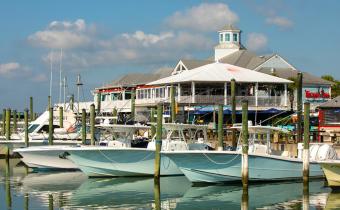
72	190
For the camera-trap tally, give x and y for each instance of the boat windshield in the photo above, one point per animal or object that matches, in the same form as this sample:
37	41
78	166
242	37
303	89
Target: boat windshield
32	127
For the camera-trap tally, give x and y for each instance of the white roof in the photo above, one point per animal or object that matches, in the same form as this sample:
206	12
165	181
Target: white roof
220	72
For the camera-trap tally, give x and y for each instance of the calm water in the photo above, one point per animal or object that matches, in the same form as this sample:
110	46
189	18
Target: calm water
72	190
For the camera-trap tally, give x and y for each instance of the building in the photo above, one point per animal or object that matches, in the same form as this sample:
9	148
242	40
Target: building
194	93
329	121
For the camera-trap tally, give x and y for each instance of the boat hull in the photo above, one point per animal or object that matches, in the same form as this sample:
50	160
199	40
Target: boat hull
98	162
46	157
332	173
226	167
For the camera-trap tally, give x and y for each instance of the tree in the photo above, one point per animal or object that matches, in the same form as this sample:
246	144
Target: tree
335	84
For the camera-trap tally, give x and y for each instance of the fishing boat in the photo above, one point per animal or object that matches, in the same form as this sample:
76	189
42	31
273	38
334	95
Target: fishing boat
265	164
52	157
38	131
331	168
96	161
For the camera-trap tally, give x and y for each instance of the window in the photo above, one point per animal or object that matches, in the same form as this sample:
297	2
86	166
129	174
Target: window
221	37
227	37
127	95
235	37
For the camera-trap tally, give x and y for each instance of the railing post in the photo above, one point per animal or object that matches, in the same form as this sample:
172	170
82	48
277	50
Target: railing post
158	141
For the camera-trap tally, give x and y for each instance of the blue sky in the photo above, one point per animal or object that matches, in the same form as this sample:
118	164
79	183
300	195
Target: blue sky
104	39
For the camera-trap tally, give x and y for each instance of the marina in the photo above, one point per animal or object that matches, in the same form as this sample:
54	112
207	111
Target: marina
202	114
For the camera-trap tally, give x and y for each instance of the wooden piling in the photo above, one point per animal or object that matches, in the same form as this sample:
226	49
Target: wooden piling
172	104
26	127
115	115
31	109
72	102
158	141
8	184
83	126
306	138
15	124
61	117
245	199
233	110
4	122
92	123
8	124
220	128
133	105
152	120
245	172
49	105
50	127
299	107
99	102
157	194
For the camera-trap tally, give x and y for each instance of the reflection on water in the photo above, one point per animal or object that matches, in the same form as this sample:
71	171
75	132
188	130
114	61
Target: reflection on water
19	190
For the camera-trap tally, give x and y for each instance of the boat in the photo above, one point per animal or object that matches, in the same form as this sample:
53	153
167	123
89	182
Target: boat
265	164
331	168
52	157
115	161
38	131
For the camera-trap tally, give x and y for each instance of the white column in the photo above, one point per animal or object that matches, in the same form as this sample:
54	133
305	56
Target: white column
256	94
123	95
286	95
166	93
225	93
193	100
178	92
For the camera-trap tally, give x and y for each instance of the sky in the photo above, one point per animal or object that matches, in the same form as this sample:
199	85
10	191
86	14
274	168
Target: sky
103	40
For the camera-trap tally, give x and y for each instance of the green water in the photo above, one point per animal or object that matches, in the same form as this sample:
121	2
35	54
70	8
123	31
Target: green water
72	190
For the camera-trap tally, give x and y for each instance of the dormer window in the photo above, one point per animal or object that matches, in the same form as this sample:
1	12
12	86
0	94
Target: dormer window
227	37
235	37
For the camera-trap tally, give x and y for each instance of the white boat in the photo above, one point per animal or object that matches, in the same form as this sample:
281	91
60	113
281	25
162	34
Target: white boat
127	161
52	157
265	164
331	168
38	131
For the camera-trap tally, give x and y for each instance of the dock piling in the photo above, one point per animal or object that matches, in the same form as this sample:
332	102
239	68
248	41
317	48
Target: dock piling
99	100
26	127
83	126
133	105
92	122
299	107
72	102
31	109
245	171
3	122
152	120
50	127
306	138
233	109
8	124
220	128
15	125
115	115
61	117
158	141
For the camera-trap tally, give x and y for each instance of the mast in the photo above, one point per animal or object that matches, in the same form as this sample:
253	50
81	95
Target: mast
79	84
51	73
60	74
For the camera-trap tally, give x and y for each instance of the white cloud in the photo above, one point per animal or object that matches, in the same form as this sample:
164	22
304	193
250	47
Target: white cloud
9	68
63	34
204	17
282	22
39	78
256	41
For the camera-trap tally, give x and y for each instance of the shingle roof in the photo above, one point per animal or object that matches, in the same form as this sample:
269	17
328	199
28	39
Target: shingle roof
191	64
245	58
334	103
287	73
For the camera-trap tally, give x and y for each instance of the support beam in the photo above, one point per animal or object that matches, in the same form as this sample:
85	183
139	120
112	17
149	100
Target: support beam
193	92
256	94
178	92
220	128
245	171
225	94
285	95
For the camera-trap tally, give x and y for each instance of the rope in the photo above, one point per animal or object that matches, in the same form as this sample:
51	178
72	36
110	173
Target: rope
224	163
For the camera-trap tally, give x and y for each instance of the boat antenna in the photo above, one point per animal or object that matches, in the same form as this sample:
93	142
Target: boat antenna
79	84
65	86
51	72
60	74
